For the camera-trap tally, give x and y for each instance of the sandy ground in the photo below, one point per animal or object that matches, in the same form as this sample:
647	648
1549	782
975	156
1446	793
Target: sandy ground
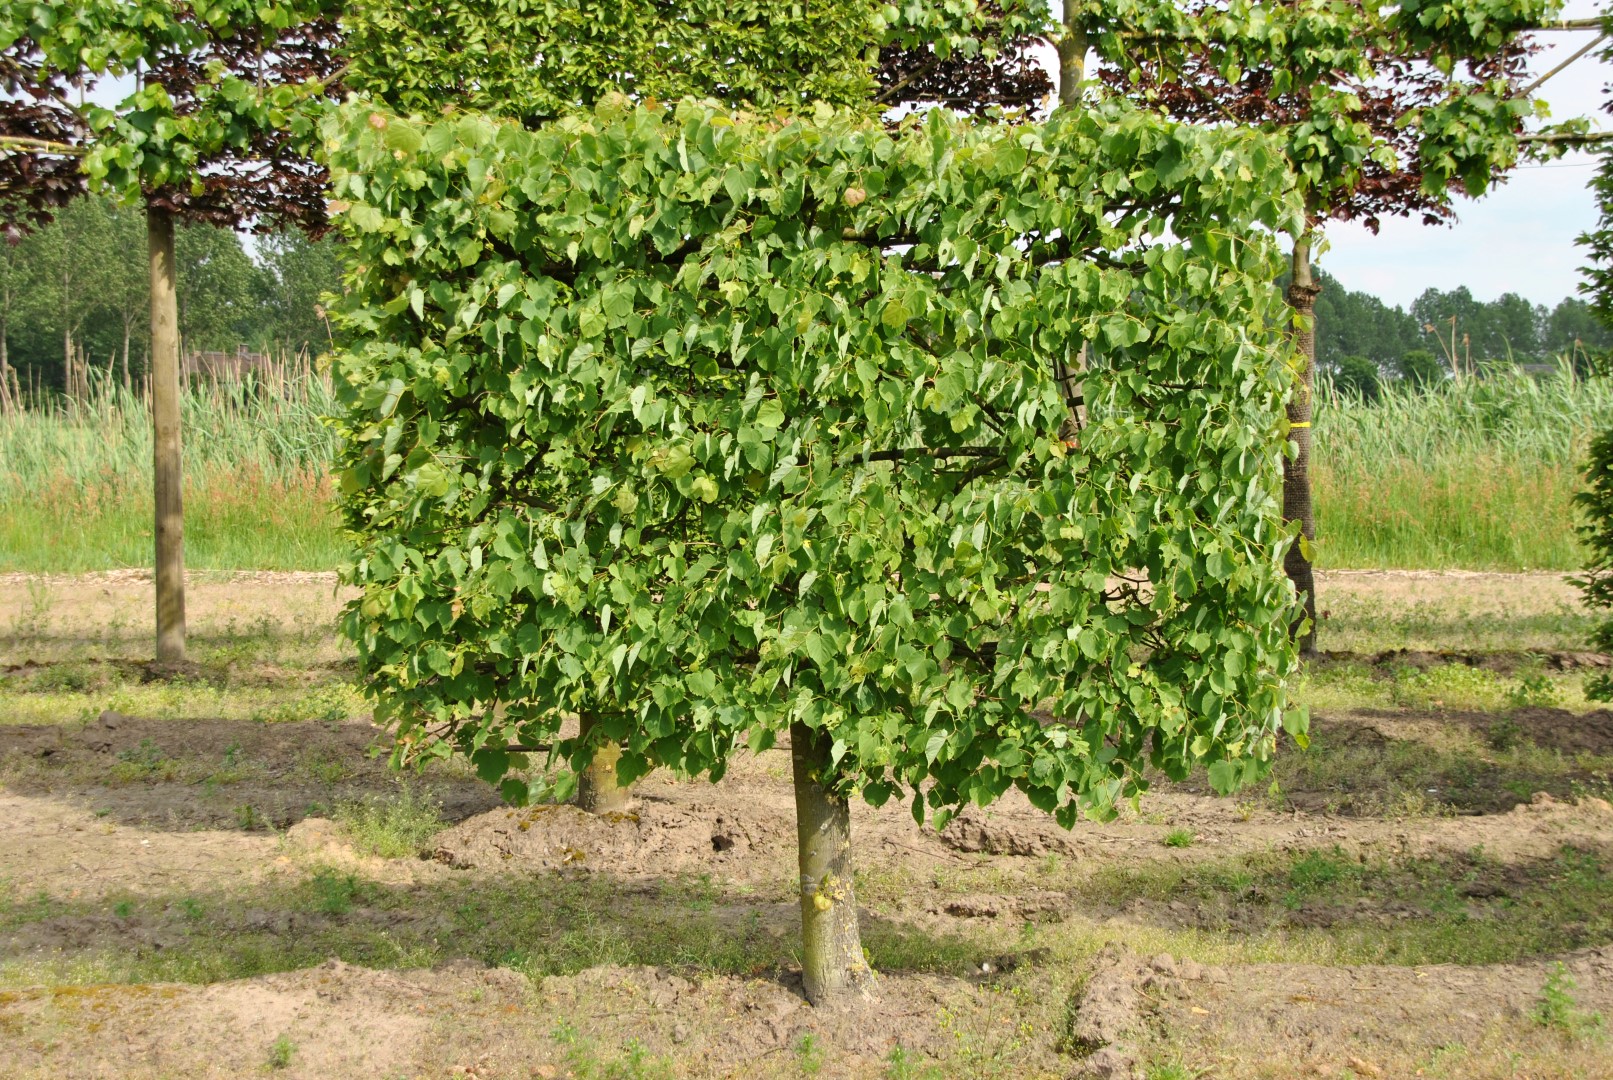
131	810
117	603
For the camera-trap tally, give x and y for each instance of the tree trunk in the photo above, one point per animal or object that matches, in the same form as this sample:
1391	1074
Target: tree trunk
1302	292
166	466
126	353
6	402
1072	78
832	962
1072	56
598	791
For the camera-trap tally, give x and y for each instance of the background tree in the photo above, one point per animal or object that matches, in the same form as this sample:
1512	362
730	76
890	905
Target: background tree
218	288
297	271
1356	375
125	293
211	133
1382	109
1422	368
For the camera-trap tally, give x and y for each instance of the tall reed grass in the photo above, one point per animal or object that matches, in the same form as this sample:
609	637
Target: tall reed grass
1477	475
75	477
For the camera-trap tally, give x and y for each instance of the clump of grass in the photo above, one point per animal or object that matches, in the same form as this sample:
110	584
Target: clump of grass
280	1052
1180	838
399	825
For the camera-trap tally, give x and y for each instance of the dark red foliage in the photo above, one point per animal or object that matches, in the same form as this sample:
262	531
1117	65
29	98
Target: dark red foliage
1013	79
1198	93
267	186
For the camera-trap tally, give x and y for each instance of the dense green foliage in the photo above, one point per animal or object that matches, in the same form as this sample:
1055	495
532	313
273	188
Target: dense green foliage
536	59
699	426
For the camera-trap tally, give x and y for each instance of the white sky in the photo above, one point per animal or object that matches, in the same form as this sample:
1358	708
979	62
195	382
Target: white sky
1520	237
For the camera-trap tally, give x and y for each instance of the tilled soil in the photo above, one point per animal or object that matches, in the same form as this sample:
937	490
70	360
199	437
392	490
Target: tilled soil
213	774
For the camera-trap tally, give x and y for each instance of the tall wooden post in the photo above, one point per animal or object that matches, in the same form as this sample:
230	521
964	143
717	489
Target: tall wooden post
167	471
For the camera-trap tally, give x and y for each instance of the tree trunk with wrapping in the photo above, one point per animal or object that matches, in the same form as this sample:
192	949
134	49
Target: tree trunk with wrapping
1302	291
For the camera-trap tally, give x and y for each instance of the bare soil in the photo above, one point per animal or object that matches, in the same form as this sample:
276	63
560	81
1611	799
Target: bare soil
115	824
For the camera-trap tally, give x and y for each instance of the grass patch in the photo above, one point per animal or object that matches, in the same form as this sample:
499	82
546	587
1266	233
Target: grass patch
1331	907
541	925
398	825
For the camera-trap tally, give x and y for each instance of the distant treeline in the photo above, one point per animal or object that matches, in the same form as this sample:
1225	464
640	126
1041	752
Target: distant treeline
75	293
1361	341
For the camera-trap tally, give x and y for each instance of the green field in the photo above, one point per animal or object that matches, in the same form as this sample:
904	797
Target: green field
1478	475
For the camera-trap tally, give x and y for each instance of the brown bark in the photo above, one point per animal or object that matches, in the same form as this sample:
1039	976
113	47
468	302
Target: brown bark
598	790
832	961
1302	291
166	465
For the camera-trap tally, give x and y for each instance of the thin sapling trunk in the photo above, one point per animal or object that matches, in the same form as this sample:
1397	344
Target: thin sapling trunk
167	470
1302	291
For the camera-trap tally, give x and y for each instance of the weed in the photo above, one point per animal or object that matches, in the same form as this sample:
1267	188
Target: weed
1535	691
901	1065
280	1052
1180	838
328	703
397	826
191	908
1557	1008
123	909
1504	734
248	819
144	762
809	1055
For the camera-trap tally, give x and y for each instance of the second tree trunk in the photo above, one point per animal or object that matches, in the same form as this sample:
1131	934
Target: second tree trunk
1302	292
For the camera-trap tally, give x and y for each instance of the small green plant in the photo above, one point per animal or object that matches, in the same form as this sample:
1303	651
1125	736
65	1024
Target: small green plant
123	909
144	762
248	819
903	1065
1180	838
333	892
1535	691
1557	1008
191	908
280	1052
397	826
809	1055
330	703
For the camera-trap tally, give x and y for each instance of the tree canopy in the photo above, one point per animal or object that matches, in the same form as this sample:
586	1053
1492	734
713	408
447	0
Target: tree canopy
702	425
